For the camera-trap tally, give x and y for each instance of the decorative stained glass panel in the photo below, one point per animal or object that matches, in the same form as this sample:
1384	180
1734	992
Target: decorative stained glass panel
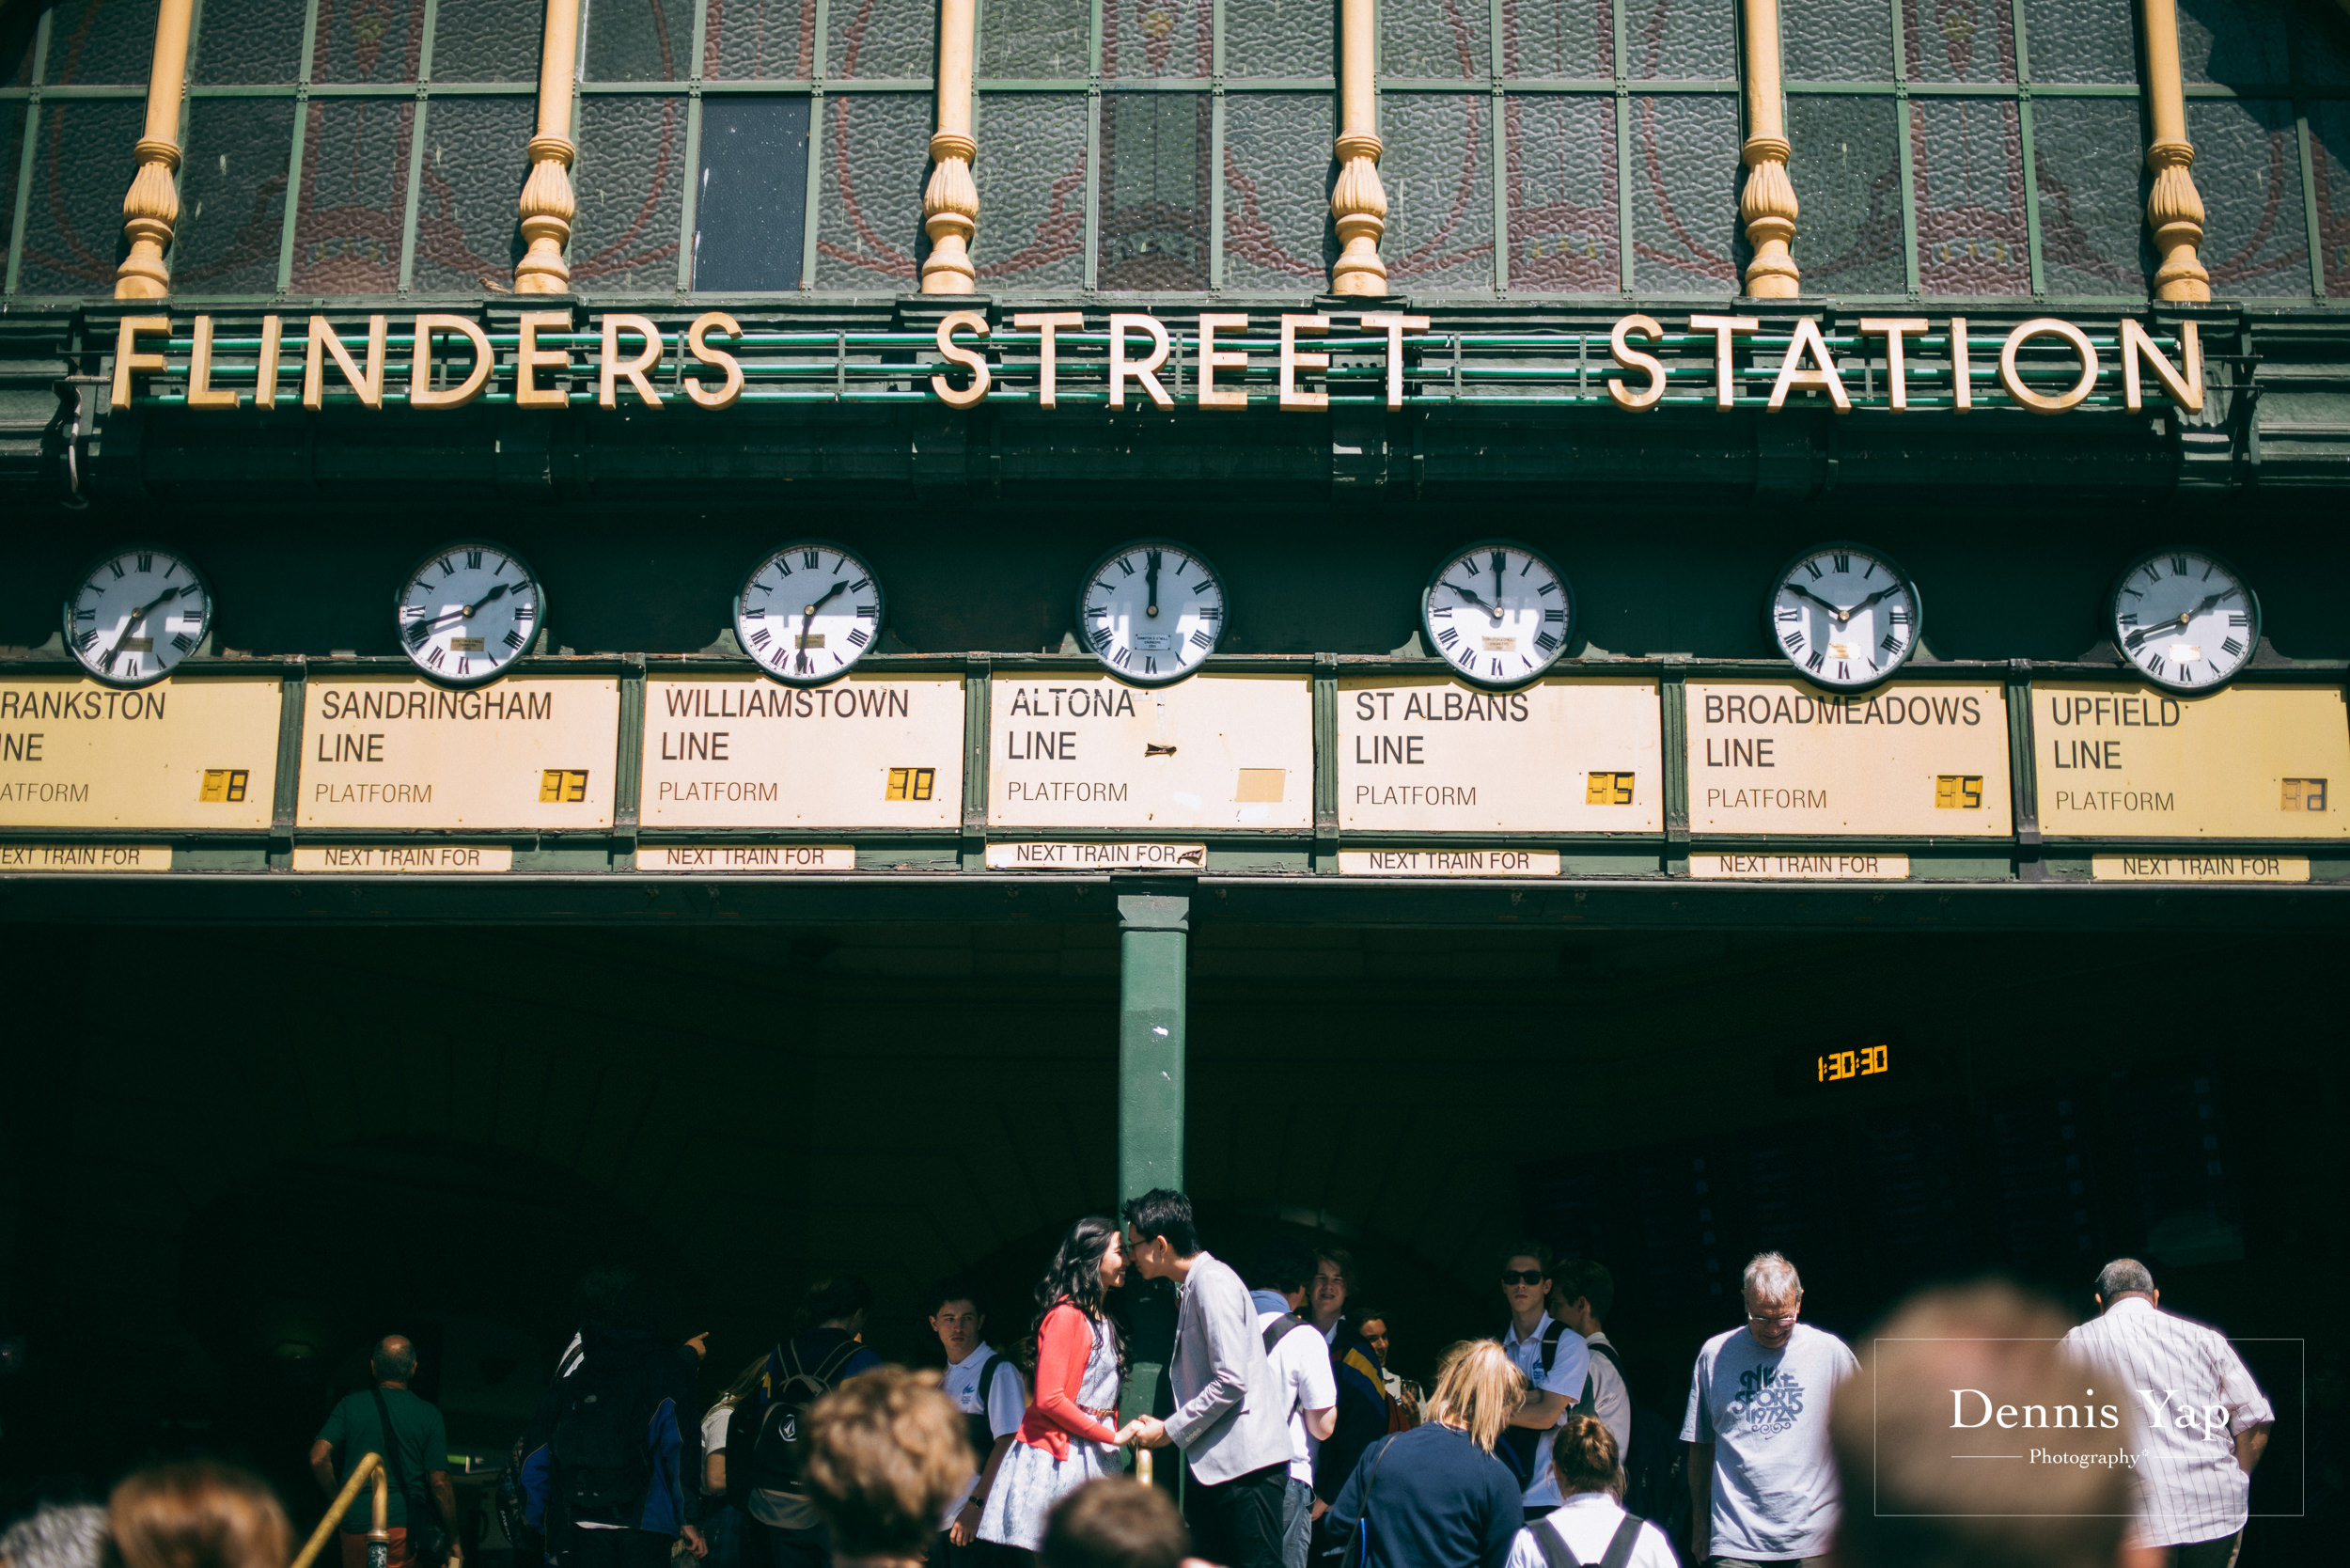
1285	37
232	195
2240	42
468	230
485	40
73	211
875	155
1847	177
2329	141
750	219
1036	41
1032	204
1439	171
1970	183
1277	193
875	40
1685	178
1154	191
759	40
2247	167
2092	201
1143	38
253	40
1558	38
101	42
631	182
1677	40
354	195
369	40
1836	40
2081	41
1444	41
638	41
1559	180
1960	40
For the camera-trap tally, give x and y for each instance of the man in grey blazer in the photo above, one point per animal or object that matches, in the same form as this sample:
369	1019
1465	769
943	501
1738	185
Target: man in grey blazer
1231	1419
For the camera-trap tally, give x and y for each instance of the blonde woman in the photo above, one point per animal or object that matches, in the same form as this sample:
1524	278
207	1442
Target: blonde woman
1445	1501
1590	1527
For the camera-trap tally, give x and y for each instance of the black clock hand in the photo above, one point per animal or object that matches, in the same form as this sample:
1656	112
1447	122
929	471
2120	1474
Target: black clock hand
142	613
800	657
1150	581
1841	614
1500	559
1469	595
1890	589
466	612
2163	628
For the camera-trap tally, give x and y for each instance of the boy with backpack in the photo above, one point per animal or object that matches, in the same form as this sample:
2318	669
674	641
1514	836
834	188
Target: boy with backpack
765	1446
987	1389
1555	1361
1655	1467
1301	1370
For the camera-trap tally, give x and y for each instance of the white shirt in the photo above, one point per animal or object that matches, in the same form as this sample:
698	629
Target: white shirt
1586	1522
713	1439
2180	1375
1611	1401
1569	1365
1007	1404
1765	1413
1301	1364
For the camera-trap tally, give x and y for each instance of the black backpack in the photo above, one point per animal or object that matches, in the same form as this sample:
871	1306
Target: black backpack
1519	1444
984	1430
767	1426
602	1447
1281	1328
1558	1553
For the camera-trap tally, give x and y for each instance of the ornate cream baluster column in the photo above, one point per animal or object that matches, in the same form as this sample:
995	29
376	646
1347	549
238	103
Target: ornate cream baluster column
1359	202
2174	210
1768	205
950	203
548	205
152	206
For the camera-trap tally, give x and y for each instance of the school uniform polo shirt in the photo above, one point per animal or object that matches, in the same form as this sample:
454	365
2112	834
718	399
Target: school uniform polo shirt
1569	1365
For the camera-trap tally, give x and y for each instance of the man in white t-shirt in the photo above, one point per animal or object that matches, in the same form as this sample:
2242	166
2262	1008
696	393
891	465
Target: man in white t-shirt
1763	1485
986	1387
1555	1362
1580	1298
1301	1366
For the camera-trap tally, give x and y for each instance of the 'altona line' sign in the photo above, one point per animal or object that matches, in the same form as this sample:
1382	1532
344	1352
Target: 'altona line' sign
1206	368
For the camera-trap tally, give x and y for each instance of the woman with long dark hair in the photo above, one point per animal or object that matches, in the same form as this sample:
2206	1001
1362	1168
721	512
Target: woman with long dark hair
1068	1437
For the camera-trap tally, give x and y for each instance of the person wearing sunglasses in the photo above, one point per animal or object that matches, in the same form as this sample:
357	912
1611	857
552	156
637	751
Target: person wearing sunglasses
1555	1362
1763	1485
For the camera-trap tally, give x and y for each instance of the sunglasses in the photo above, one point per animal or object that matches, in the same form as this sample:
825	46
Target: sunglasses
1523	1276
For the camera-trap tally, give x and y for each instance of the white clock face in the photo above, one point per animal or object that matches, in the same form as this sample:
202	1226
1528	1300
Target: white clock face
1847	616
1151	611
807	612
135	614
2185	618
468	612
1498	613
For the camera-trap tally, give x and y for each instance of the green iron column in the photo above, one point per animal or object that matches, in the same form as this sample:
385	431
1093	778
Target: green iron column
1153	963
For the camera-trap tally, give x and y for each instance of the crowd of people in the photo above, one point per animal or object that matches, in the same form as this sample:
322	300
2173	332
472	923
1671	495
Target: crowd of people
1297	1445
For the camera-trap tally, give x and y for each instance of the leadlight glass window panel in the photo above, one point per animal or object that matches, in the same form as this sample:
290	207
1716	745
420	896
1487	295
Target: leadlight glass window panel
1558	38
1968	178
354	195
369	40
468	230
875	40
102	42
1279	168
1559	182
631	182
73	211
1147	39
2240	42
638	40
876	161
2321	45
1440	40
2247	168
1154	192
1960	40
1836	40
1036	41
759	40
1848	182
1032	200
2081	41
487	40
1439	171
1679	40
232	195
2329	140
1684	193
253	40
750	218
1285	37
2090	158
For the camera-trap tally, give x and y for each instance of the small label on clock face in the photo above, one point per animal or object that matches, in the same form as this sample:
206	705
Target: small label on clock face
135	645
83	859
1153	642
813	639
465	645
1501	645
376	859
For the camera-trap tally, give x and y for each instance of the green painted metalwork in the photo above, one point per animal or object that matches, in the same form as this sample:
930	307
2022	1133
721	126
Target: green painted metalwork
1154	960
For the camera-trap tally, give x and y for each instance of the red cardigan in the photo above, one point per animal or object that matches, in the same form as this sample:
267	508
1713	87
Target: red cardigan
1063	1346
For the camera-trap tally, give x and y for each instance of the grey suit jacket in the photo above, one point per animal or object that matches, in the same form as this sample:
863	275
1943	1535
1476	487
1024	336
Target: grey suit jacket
1230	1417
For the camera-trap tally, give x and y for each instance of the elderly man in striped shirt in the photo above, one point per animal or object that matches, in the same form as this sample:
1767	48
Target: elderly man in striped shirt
2201	1421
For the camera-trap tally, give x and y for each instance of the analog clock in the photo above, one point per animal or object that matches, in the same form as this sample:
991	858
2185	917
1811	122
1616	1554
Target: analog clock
468	611
808	611
135	614
2185	618
1151	611
1500	613
1845	614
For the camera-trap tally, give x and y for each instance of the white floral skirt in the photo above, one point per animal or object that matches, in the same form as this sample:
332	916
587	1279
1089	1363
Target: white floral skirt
1031	1481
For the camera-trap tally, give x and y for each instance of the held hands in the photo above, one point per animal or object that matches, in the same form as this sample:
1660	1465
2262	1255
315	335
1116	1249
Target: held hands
1145	1431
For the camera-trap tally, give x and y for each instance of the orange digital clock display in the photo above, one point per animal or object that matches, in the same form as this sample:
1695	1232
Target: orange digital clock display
1861	1061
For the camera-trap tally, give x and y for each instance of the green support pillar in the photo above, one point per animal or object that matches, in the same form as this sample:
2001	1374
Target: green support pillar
1153	965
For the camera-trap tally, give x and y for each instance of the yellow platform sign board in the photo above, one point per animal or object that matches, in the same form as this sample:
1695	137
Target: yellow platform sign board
1230	751
81	859
1911	759
398	752
867	751
2247	762
1572	754
191	753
